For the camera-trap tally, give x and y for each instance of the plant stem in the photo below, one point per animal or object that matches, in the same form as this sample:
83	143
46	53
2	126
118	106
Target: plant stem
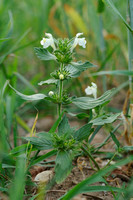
60	92
110	160
130	44
90	156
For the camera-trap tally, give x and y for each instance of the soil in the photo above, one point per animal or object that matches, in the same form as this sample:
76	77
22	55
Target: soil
81	171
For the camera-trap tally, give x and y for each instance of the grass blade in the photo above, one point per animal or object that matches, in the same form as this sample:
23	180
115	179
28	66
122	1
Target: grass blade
115	10
17	189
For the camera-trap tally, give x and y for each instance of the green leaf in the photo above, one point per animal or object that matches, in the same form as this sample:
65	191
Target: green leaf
95	23
2	189
8	166
105	119
20	150
43	157
101	189
115	72
44	135
115	10
25	81
82	66
63	166
128	148
33	97
12	49
115	139
128	191
83	132
40	143
4	39
79	115
49	81
17	188
76	68
44	54
89	103
79	188
54	127
130	36
94	133
64	126
101	6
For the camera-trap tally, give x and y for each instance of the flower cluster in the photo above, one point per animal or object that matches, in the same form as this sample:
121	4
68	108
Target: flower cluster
49	41
62	75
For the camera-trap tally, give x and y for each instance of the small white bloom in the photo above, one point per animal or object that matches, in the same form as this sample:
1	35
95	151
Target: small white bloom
61	76
92	90
49	41
51	93
79	41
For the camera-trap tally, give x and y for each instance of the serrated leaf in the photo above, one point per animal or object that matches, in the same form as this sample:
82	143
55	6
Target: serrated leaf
63	166
64	126
44	54
105	119
40	143
83	132
89	103
76	68
83	65
49	81
33	97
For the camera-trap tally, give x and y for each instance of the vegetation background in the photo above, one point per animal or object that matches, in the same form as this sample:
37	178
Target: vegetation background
22	26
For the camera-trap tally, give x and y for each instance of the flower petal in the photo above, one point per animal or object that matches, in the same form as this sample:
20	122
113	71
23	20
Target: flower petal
88	90
93	84
46	42
82	42
78	34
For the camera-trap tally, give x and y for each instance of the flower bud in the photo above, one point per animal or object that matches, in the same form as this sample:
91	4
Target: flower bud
51	93
61	76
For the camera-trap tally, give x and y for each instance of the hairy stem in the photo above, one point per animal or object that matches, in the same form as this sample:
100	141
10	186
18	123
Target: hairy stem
60	92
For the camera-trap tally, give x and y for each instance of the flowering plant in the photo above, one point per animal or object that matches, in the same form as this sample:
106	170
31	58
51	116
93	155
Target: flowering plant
68	142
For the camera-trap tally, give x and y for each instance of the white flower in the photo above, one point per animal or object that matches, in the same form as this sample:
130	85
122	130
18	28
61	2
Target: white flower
79	41
49	41
92	90
61	76
51	93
